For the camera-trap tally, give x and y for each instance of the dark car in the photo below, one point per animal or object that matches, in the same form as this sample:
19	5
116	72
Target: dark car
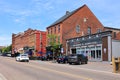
62	59
44	58
77	59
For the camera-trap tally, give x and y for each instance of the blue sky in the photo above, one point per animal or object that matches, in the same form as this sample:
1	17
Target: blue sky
19	15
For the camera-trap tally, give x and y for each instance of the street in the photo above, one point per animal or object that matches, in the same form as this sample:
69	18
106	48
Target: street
45	70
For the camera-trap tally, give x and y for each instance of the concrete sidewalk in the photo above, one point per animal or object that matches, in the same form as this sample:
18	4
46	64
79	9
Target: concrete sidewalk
98	66
101	66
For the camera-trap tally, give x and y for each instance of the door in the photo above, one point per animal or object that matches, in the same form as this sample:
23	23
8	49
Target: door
98	53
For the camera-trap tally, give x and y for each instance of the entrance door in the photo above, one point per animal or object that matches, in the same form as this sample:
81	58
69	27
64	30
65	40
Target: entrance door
73	51
93	55
98	53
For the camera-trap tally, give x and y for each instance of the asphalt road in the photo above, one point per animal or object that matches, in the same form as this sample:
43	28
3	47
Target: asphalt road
42	70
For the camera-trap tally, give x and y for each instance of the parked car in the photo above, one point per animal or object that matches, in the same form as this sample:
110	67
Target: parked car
43	58
22	57
62	59
77	59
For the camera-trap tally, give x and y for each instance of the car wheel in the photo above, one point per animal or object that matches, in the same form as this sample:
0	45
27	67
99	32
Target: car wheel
86	62
65	61
70	63
16	59
27	60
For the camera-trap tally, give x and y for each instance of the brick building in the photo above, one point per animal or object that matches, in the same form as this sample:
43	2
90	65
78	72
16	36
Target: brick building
29	39
115	32
77	23
80	32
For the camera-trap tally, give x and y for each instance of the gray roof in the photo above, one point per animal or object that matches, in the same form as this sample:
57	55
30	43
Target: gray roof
111	28
65	17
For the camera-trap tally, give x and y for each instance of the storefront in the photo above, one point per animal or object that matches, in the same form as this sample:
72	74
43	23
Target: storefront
96	46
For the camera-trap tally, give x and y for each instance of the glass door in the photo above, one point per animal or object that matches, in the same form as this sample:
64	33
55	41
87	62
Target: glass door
93	55
98	53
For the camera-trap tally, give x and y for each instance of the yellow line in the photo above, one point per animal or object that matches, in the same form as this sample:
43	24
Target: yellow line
62	73
55	71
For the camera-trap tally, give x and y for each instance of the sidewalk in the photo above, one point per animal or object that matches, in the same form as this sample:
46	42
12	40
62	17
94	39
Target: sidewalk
97	66
100	66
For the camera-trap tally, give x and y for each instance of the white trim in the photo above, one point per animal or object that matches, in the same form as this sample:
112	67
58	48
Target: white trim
109	48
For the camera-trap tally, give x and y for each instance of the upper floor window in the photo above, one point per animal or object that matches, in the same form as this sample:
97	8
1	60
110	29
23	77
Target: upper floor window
78	28
48	31
58	28
98	30
55	30
89	30
114	34
51	30
40	37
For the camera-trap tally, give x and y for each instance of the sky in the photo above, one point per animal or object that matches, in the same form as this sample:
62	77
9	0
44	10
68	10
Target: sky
19	15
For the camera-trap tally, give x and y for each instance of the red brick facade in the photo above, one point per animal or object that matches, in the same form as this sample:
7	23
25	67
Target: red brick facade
82	17
115	32
31	38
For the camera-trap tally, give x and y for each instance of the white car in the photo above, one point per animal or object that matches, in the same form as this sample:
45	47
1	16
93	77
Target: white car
22	57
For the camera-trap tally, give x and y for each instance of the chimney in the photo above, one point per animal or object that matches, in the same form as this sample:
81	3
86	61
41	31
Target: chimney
67	12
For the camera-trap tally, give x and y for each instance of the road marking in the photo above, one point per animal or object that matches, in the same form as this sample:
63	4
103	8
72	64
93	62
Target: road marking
62	73
2	77
74	67
55	71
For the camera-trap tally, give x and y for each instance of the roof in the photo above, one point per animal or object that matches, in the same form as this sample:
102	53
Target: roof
112	28
65	16
92	34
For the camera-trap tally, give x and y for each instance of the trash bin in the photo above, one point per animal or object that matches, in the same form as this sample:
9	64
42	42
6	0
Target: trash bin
116	64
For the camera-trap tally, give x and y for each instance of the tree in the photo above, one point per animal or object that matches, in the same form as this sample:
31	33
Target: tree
54	46
7	49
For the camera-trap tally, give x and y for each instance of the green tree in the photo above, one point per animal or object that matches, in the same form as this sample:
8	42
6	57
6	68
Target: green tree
54	46
7	49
